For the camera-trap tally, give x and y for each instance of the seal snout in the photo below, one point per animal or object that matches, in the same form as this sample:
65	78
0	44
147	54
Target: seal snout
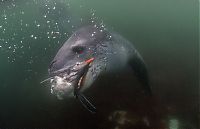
66	80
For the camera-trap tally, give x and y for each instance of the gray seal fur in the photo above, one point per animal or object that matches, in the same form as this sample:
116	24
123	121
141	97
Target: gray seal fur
111	52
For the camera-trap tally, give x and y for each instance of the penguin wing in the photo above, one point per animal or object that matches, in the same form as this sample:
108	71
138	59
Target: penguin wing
140	70
85	102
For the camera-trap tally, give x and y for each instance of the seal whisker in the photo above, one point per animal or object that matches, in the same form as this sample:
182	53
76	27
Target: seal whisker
46	80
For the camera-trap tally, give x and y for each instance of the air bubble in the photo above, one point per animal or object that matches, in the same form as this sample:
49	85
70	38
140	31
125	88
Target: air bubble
22	12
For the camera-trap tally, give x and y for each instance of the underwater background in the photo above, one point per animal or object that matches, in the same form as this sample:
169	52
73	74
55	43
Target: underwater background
164	32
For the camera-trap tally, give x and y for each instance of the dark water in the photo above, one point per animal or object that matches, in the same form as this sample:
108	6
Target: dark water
164	32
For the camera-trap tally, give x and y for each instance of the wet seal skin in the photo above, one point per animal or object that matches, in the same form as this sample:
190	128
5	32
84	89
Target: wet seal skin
109	52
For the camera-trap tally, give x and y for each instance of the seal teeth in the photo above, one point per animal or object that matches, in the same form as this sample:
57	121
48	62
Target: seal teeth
51	80
80	81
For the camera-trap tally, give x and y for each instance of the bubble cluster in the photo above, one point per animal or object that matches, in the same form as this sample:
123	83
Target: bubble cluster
37	27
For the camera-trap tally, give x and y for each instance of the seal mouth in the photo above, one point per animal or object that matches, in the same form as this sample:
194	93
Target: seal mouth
66	80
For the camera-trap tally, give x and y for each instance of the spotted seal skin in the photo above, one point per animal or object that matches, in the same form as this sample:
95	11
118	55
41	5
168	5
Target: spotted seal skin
112	53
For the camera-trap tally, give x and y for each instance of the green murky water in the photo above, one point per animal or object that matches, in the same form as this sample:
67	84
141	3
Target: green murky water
164	32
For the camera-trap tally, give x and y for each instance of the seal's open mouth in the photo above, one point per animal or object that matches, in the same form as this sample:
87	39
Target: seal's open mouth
85	69
66	80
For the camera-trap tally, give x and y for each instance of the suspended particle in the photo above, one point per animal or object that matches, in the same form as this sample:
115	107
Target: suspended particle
22	12
13	5
93	14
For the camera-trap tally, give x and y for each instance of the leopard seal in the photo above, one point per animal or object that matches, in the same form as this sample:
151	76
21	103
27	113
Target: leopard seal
111	52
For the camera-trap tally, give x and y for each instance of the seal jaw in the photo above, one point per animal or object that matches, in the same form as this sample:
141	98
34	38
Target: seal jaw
65	83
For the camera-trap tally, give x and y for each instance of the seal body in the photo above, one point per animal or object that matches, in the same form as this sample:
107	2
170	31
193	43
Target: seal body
111	52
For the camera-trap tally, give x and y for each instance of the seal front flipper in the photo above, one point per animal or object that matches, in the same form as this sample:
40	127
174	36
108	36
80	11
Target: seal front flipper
140	70
85	102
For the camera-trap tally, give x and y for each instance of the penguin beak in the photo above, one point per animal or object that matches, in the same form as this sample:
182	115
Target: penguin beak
82	78
89	60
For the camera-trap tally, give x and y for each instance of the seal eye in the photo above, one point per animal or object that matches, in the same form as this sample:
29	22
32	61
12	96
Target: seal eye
78	49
